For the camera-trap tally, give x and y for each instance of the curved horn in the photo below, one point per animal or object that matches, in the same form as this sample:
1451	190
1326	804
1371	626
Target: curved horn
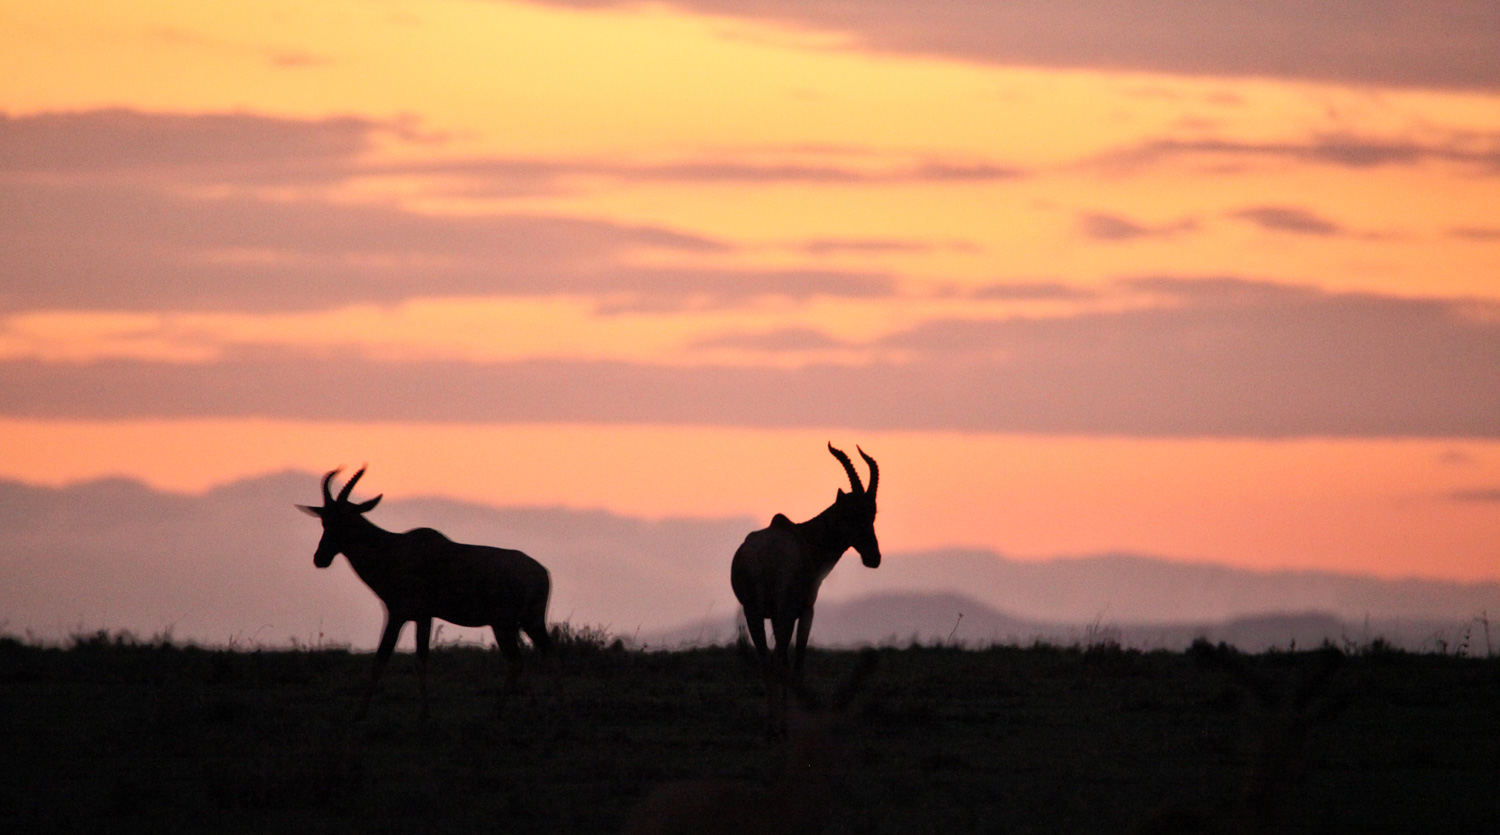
327	496
848	468
874	472
349	488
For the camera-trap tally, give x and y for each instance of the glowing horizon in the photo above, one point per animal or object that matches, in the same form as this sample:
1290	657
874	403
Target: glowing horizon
1125	297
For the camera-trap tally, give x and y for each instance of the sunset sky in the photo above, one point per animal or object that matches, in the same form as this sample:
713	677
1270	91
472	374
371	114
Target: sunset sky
1213	281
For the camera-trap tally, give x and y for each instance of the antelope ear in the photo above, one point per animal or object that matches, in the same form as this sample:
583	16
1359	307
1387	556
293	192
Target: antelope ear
311	511
366	507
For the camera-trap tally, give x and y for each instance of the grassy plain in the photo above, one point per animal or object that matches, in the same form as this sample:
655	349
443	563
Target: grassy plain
116	735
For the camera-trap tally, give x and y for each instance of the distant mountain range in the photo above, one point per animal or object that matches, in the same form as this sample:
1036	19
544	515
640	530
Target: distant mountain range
234	566
901	619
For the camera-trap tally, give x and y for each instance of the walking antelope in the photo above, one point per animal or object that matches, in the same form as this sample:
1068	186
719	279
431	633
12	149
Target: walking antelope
421	574
777	570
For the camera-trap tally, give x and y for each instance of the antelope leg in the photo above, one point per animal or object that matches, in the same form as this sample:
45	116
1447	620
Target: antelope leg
509	641
804	628
540	639
382	656
782	628
424	636
756	626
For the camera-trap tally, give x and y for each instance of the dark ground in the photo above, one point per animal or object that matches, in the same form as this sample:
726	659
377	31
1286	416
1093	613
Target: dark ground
113	735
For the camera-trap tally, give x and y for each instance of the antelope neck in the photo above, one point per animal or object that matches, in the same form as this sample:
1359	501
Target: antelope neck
364	542
822	533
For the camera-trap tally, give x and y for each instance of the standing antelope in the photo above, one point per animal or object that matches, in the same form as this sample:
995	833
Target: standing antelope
421	574
777	570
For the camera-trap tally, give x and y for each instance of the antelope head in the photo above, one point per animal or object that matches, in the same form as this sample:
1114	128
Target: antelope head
338	515
856	512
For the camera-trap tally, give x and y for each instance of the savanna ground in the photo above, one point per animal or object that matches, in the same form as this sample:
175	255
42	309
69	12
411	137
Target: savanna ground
109	734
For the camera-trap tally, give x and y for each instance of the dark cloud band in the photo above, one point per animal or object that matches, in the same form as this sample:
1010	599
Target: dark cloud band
1479	153
125	249
105	210
1444	44
1225	358
157	149
212	146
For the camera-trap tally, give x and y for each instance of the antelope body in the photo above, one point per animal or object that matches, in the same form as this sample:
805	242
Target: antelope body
421	574
777	571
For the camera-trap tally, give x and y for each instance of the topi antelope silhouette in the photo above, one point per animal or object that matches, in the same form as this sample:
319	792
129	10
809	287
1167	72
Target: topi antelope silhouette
421	574
777	571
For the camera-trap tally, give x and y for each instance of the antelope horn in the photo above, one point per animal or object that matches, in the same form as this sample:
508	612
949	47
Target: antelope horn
848	468
874	472
349	488
327	496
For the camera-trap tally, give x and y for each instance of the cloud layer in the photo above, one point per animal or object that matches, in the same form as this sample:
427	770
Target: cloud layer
122	210
126	211
1221	357
220	146
1451	43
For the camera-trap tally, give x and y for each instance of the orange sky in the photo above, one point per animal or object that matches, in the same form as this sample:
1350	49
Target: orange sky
1247	315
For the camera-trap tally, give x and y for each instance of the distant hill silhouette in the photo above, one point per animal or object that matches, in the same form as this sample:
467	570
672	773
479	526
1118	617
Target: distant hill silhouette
1130	588
901	619
234	564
